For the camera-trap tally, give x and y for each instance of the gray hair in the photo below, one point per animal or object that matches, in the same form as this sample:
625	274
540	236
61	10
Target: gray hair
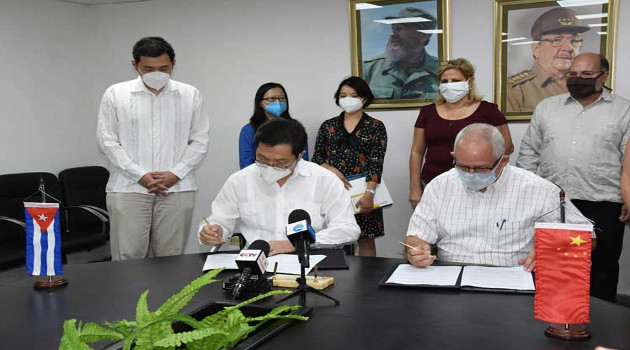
486	132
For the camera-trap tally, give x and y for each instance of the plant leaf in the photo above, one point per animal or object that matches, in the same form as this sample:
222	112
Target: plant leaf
175	303
92	332
142	309
207	334
219	316
71	339
123	326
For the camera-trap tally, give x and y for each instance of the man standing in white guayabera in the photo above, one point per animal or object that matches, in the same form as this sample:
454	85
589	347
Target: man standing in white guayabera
154	132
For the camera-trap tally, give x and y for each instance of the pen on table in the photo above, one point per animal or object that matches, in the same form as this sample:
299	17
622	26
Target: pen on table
414	248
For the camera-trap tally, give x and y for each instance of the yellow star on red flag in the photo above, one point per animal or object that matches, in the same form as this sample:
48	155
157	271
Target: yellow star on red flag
577	240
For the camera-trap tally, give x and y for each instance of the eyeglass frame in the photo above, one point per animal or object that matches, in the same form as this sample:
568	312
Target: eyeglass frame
264	165
476	169
272	99
589	74
564	40
456	62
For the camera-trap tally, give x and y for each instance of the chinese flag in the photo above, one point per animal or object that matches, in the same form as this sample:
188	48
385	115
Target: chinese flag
563	269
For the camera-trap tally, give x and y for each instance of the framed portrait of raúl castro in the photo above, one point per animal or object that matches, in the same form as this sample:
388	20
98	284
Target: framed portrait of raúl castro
396	46
535	43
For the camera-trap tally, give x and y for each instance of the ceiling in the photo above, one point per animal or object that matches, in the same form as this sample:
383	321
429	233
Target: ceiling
101	2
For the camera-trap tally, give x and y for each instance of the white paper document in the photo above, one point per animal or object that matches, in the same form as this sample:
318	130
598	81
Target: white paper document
287	263
217	261
382	198
497	277
407	274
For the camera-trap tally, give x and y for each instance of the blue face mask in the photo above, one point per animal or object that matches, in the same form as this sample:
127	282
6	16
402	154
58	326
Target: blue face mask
276	108
477	181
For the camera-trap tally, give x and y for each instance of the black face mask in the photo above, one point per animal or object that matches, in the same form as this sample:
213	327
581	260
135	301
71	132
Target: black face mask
582	87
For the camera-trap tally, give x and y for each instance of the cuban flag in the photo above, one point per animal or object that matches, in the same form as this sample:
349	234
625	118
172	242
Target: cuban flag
43	239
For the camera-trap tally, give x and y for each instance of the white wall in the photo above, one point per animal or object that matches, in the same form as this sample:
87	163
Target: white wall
46	121
226	48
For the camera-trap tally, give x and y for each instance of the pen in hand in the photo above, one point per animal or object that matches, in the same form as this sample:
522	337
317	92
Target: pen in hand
414	248
212	232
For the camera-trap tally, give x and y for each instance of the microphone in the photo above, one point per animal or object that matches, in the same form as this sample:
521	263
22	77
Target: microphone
300	224
251	261
301	234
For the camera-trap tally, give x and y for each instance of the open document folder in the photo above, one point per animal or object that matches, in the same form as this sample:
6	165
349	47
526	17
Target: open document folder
463	277
382	198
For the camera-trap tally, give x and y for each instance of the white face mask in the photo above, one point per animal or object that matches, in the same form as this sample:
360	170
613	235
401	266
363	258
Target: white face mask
271	174
350	104
453	92
156	80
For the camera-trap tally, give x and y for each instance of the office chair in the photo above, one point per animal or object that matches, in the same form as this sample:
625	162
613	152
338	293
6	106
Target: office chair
14	190
83	195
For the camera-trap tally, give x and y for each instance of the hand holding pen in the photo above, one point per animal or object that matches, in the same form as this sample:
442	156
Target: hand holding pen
420	256
211	234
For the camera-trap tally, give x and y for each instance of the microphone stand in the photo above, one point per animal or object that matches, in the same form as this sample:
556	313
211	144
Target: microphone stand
556	330
303	288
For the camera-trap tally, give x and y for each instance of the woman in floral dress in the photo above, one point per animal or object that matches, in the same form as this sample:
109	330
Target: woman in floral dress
354	143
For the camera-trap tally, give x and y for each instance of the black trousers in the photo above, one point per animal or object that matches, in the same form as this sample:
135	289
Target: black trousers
605	256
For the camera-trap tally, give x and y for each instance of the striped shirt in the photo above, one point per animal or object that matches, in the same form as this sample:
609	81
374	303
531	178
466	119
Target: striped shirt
140	132
579	148
495	227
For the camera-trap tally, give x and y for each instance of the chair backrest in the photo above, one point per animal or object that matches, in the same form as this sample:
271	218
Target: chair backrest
84	186
14	189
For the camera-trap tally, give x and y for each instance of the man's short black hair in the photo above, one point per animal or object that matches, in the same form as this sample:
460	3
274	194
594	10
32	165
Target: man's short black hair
360	86
152	46
281	131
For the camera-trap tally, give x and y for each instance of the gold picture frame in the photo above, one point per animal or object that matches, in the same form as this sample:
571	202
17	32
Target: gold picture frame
378	59
526	69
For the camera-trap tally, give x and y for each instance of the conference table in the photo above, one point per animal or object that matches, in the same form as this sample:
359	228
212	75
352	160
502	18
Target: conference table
369	316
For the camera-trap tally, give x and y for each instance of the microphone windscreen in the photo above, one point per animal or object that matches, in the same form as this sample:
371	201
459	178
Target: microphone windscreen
260	245
299	215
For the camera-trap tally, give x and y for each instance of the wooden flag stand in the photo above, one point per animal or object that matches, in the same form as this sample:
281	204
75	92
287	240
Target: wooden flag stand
566	331
49	282
576	332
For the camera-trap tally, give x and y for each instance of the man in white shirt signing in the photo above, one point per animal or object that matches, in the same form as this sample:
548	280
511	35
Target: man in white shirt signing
483	210
260	197
154	132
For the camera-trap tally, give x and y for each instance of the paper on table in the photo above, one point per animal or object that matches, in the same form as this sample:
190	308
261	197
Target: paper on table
433	275
216	261
287	263
497	277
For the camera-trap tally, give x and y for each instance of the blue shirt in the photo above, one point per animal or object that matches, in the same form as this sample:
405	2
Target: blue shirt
247	149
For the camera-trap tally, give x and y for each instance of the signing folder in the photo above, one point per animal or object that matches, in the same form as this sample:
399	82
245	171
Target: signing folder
481	278
382	198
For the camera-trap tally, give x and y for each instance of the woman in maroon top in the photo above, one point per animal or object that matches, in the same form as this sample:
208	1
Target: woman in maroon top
456	107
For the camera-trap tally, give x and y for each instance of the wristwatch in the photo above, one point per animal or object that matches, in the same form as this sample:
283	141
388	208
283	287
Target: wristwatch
369	190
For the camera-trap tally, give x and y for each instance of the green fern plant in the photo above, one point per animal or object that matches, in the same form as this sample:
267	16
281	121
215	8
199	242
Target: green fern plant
153	330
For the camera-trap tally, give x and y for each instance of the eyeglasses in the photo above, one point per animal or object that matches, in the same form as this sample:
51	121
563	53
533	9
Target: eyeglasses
576	43
279	167
458	62
480	170
584	74
275	98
